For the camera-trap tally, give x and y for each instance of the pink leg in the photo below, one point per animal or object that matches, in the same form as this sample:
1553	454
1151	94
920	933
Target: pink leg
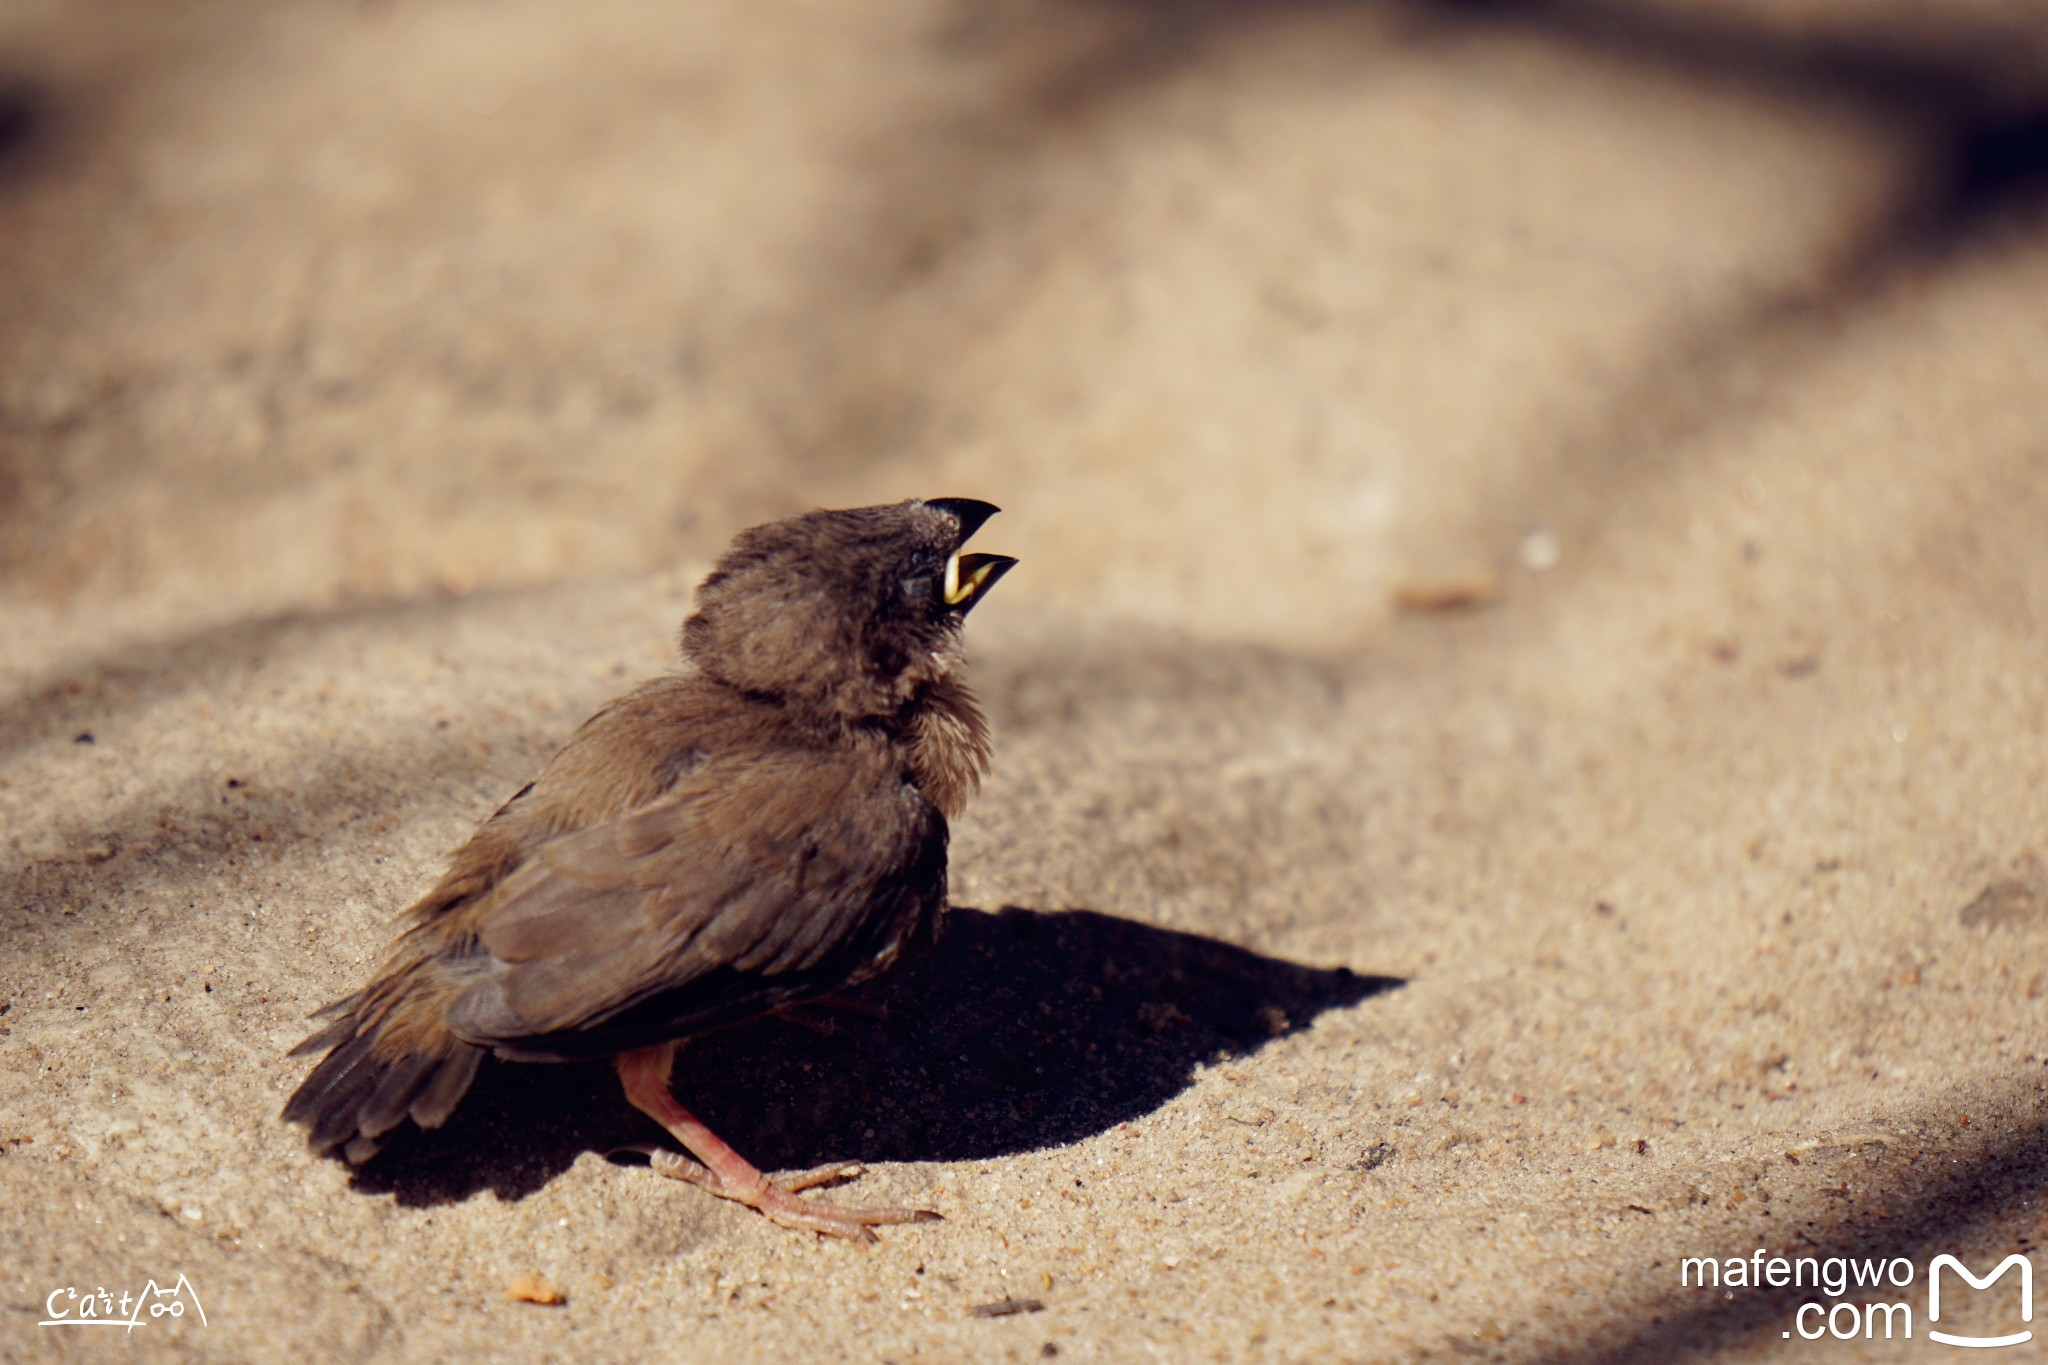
729	1175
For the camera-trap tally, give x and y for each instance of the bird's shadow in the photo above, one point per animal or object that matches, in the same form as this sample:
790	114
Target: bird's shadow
1023	1029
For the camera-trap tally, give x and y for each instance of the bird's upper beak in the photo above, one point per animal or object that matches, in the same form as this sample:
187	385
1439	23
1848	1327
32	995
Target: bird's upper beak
969	577
971	513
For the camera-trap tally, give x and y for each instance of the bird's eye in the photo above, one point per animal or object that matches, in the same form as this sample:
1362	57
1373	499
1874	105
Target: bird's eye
917	589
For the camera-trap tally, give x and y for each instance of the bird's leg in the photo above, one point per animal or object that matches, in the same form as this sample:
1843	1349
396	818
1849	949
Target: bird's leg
729	1175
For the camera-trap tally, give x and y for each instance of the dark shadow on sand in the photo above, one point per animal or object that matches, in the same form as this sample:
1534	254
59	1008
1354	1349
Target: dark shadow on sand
1023	1029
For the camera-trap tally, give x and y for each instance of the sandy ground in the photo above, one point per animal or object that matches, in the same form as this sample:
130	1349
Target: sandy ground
1333	981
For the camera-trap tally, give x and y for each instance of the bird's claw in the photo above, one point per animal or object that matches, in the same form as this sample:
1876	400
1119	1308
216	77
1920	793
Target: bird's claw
777	1199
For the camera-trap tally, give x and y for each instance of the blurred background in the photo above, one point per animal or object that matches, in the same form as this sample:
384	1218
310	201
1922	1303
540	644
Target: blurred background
1251	313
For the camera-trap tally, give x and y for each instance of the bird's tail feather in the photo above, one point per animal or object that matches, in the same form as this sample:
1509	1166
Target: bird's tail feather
360	1092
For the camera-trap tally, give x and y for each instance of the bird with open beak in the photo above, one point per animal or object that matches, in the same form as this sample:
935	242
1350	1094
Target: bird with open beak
764	828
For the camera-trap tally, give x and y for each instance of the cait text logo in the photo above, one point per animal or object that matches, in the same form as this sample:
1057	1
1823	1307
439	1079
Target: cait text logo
72	1307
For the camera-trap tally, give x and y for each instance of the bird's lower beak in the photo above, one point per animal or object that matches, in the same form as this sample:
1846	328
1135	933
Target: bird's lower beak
968	577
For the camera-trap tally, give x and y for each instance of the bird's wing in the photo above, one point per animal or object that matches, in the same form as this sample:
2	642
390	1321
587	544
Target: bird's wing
748	883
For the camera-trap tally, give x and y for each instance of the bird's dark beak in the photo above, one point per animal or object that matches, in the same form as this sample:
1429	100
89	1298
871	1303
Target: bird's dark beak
969	512
969	577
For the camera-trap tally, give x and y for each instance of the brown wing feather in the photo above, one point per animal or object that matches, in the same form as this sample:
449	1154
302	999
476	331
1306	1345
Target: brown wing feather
745	885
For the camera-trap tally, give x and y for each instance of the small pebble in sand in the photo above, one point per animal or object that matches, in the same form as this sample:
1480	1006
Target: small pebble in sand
535	1289
2005	904
1464	593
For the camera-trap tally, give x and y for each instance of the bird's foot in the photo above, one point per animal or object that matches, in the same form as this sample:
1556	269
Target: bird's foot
727	1174
777	1199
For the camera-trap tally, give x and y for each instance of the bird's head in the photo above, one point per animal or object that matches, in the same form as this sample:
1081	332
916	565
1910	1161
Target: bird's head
854	610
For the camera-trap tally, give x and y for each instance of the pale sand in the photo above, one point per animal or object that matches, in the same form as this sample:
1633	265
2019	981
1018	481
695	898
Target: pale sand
376	381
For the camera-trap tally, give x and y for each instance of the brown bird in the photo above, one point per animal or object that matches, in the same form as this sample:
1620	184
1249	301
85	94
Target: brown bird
762	829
